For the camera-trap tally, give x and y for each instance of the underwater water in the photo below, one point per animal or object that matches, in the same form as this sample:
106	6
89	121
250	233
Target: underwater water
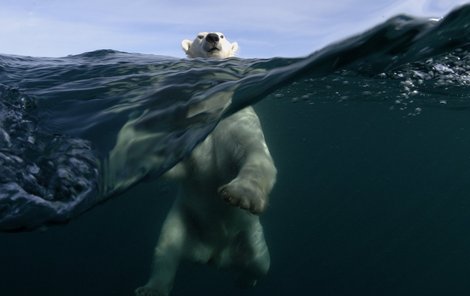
371	138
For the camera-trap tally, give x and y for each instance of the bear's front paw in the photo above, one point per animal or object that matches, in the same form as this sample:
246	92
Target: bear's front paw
146	291
244	194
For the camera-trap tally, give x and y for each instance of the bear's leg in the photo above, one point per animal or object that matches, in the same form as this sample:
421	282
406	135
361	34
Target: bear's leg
241	138
251	256
167	256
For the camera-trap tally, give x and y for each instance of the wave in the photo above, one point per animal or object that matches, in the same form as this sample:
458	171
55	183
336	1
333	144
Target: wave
77	130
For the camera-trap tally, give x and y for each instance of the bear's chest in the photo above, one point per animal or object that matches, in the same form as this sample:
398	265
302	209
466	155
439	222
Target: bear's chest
209	164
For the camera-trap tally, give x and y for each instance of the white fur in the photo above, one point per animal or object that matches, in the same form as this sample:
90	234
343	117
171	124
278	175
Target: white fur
204	47
225	184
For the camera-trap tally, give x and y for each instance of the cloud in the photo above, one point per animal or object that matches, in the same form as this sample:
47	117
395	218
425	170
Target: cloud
35	34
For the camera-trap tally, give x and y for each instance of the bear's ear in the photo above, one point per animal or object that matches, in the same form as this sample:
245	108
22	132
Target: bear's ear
234	48
186	44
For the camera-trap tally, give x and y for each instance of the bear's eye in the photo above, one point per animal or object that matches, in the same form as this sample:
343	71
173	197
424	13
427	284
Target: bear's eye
221	36
200	36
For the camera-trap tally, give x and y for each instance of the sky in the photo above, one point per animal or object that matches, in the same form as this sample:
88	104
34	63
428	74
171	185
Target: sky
262	28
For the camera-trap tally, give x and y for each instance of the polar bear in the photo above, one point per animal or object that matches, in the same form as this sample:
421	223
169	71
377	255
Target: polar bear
225	184
209	45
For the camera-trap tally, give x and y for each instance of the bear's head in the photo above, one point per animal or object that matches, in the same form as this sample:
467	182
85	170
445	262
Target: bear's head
209	45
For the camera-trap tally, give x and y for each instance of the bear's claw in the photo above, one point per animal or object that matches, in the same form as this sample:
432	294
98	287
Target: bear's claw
243	197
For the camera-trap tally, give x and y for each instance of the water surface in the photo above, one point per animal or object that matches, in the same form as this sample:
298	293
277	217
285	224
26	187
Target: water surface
370	136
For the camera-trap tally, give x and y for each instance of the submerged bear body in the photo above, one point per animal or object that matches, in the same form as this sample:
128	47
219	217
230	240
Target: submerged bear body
225	184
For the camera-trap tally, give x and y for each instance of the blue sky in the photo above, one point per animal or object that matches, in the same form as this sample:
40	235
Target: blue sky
263	28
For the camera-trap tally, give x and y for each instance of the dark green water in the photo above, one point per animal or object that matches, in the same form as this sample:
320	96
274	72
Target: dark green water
372	149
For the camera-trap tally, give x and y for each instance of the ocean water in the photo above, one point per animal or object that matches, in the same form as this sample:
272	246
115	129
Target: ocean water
371	137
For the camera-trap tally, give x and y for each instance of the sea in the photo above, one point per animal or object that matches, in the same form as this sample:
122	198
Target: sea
370	135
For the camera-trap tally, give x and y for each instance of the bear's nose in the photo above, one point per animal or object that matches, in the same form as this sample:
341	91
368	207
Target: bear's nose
212	37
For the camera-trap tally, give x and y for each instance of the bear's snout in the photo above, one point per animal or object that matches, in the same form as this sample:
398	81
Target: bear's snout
212	38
